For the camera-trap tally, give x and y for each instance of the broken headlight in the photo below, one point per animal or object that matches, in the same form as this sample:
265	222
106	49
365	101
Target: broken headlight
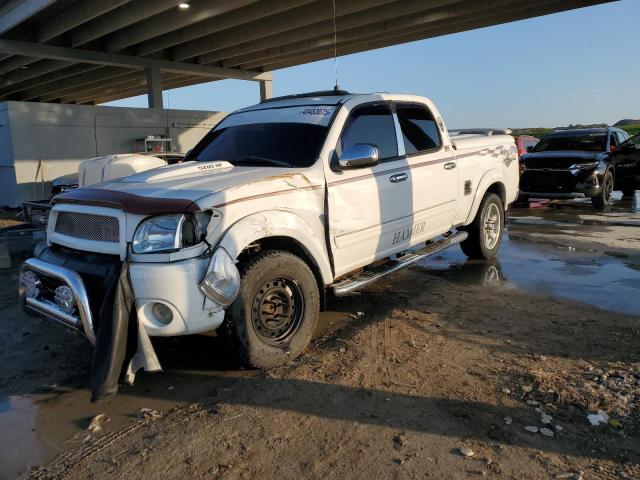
581	167
222	281
170	232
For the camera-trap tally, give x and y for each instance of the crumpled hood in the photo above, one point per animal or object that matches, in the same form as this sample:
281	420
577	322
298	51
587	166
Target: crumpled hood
192	180
561	159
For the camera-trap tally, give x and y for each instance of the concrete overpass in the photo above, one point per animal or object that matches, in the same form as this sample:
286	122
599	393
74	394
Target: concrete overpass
95	51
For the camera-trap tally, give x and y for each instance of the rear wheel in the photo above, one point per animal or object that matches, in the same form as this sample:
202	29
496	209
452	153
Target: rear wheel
276	312
604	197
485	233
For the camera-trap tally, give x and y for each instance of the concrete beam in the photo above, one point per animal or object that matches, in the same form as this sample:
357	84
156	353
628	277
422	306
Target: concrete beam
183	82
420	34
431	18
266	89
36	70
51	77
14	63
298	17
103	77
219	23
67	20
126	83
154	87
16	12
72	17
324	27
199	11
119	19
15	47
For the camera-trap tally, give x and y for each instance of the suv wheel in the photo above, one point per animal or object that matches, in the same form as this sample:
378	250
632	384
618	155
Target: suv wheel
276	312
603	199
485	233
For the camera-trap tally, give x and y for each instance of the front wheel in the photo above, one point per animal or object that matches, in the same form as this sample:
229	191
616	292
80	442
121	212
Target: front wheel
276	312
485	233
603	199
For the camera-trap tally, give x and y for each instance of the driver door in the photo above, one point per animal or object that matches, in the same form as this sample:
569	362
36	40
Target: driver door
369	207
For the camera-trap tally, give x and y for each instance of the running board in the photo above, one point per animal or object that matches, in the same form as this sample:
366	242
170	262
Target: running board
352	284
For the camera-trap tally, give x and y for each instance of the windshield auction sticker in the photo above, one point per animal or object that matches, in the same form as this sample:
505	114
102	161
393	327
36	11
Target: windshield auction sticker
314	115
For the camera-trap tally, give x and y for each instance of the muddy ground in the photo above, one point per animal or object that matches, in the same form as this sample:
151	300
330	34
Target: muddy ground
448	358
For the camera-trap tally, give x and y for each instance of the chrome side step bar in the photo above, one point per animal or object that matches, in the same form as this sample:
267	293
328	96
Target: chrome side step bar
352	284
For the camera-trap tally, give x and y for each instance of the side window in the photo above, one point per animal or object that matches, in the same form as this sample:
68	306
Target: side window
371	124
419	129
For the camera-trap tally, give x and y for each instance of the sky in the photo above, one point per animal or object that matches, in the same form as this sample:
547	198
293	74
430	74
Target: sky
580	66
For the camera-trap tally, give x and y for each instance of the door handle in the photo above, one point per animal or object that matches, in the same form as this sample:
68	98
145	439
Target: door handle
449	165
401	177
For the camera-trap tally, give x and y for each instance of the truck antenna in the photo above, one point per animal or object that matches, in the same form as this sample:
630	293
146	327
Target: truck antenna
335	47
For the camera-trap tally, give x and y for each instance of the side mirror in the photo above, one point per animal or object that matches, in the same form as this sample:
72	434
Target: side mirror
529	149
359	155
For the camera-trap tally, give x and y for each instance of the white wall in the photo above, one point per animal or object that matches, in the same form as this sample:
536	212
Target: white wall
42	141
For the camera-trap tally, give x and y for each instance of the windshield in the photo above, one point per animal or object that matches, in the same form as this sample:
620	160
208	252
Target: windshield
587	142
283	137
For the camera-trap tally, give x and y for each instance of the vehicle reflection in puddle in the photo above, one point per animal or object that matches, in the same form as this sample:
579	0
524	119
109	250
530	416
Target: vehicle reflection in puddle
610	282
623	211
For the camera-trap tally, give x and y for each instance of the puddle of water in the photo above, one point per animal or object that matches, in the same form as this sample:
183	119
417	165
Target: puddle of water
18	444
622	212
35	428
608	282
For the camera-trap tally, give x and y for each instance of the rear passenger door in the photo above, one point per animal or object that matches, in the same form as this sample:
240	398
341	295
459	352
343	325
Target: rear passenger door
433	168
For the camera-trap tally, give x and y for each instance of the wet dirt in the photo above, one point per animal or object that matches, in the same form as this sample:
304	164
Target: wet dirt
44	395
423	356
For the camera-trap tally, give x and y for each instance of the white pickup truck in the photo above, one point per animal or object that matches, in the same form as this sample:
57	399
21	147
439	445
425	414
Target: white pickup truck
280	204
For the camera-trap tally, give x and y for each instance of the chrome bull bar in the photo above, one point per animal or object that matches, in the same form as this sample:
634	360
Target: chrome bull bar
82	322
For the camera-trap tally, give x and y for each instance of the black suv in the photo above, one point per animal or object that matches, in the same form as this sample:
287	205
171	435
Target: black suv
626	164
572	164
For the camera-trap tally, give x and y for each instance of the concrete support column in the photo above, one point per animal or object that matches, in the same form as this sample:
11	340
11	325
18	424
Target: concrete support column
265	89
154	87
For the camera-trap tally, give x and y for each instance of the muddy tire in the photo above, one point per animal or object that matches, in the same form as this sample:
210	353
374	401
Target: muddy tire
485	233
603	199
276	312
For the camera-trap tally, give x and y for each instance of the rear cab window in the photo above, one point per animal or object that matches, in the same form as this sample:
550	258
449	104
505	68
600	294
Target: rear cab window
420	132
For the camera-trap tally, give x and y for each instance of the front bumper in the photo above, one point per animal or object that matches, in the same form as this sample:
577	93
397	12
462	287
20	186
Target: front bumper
171	284
580	192
81	319
551	195
560	184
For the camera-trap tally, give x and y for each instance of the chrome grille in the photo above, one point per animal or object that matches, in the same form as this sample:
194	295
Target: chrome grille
87	226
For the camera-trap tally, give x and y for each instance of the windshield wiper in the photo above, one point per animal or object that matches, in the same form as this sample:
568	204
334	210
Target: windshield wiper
256	159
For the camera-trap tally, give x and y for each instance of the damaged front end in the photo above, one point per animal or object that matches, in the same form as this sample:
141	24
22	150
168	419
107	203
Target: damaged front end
118	276
91	295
